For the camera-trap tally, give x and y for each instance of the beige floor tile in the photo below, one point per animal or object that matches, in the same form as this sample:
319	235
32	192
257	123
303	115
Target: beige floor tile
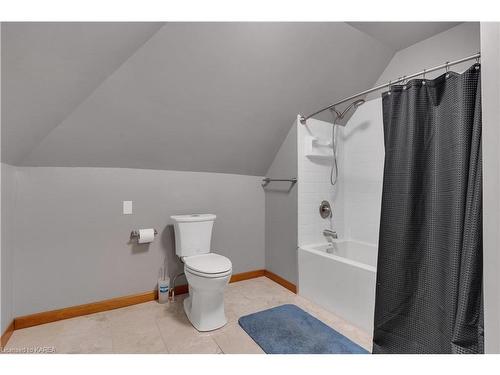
135	342
201	345
154	328
88	343
180	337
86	334
266	292
232	339
236	307
135	331
27	339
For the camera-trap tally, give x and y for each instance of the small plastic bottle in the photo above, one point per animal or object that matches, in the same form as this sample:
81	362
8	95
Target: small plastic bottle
163	289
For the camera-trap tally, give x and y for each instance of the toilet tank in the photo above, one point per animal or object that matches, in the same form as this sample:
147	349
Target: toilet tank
193	233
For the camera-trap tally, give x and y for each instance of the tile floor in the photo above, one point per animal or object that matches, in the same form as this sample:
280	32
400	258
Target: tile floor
154	328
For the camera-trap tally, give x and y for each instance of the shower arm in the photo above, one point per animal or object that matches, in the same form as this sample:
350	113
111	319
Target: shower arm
446	65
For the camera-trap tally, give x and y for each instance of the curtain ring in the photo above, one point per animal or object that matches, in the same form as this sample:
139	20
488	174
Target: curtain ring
423	77
447	67
389	93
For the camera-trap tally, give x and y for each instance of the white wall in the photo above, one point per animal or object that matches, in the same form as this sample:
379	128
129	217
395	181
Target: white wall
490	81
72	241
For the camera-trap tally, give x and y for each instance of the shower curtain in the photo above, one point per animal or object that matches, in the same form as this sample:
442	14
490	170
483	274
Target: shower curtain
429	272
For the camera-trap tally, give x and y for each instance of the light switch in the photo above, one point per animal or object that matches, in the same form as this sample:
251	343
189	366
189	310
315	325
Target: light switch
127	207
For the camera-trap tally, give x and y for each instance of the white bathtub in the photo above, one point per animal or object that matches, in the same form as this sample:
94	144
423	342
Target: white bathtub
341	278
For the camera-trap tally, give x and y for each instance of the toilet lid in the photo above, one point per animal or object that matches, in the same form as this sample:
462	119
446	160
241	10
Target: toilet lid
208	263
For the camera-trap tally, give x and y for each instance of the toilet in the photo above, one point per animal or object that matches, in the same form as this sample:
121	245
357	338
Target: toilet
207	273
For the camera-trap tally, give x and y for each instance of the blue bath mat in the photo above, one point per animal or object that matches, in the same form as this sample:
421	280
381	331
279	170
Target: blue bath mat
287	329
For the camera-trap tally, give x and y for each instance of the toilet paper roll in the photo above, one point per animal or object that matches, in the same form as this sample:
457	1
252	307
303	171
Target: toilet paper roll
146	235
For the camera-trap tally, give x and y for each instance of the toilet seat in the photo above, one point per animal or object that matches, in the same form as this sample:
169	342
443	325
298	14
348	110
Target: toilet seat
208	275
208	265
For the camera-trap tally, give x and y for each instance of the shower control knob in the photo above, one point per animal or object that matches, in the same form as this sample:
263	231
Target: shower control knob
325	210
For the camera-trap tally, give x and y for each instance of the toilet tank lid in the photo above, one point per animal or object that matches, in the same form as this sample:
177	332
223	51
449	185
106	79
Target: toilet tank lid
193	218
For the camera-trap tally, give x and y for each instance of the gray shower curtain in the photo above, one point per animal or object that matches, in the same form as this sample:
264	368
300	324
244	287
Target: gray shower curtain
429	271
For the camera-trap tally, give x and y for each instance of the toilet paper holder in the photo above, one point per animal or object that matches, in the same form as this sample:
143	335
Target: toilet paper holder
135	234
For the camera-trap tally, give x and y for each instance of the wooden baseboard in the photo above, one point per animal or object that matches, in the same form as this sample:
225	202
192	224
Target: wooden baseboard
247	275
6	335
279	280
110	304
182	289
89	308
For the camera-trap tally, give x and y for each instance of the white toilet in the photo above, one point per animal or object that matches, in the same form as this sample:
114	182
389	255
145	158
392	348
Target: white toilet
207	273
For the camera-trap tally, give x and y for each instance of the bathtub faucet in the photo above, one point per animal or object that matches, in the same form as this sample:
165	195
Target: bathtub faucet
330	235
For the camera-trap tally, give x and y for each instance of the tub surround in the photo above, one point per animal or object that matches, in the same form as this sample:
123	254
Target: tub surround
341	281
356	196
314	165
362	171
341	278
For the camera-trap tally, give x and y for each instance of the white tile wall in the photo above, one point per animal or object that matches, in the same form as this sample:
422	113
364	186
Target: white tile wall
356	196
362	171
314	184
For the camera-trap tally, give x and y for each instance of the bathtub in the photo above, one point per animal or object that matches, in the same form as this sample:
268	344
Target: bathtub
340	277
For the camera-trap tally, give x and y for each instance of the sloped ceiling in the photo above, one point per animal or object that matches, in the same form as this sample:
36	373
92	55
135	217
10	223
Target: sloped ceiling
50	68
217	97
400	35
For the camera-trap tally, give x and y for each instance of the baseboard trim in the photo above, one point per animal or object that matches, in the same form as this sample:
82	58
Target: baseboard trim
110	304
6	335
279	280
182	289
89	308
247	275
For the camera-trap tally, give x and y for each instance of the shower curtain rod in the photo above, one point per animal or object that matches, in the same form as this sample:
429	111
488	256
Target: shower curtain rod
446	65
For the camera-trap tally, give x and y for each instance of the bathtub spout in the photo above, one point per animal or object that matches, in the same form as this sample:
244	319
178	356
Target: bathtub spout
330	235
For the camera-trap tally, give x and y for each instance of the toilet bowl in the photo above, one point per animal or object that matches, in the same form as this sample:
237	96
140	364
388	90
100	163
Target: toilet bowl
207	276
207	273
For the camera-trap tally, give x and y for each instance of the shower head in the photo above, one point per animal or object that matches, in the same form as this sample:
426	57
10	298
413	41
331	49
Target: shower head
358	102
355	104
340	115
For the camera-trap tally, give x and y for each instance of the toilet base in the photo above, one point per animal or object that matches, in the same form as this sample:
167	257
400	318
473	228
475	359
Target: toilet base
204	325
205	305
